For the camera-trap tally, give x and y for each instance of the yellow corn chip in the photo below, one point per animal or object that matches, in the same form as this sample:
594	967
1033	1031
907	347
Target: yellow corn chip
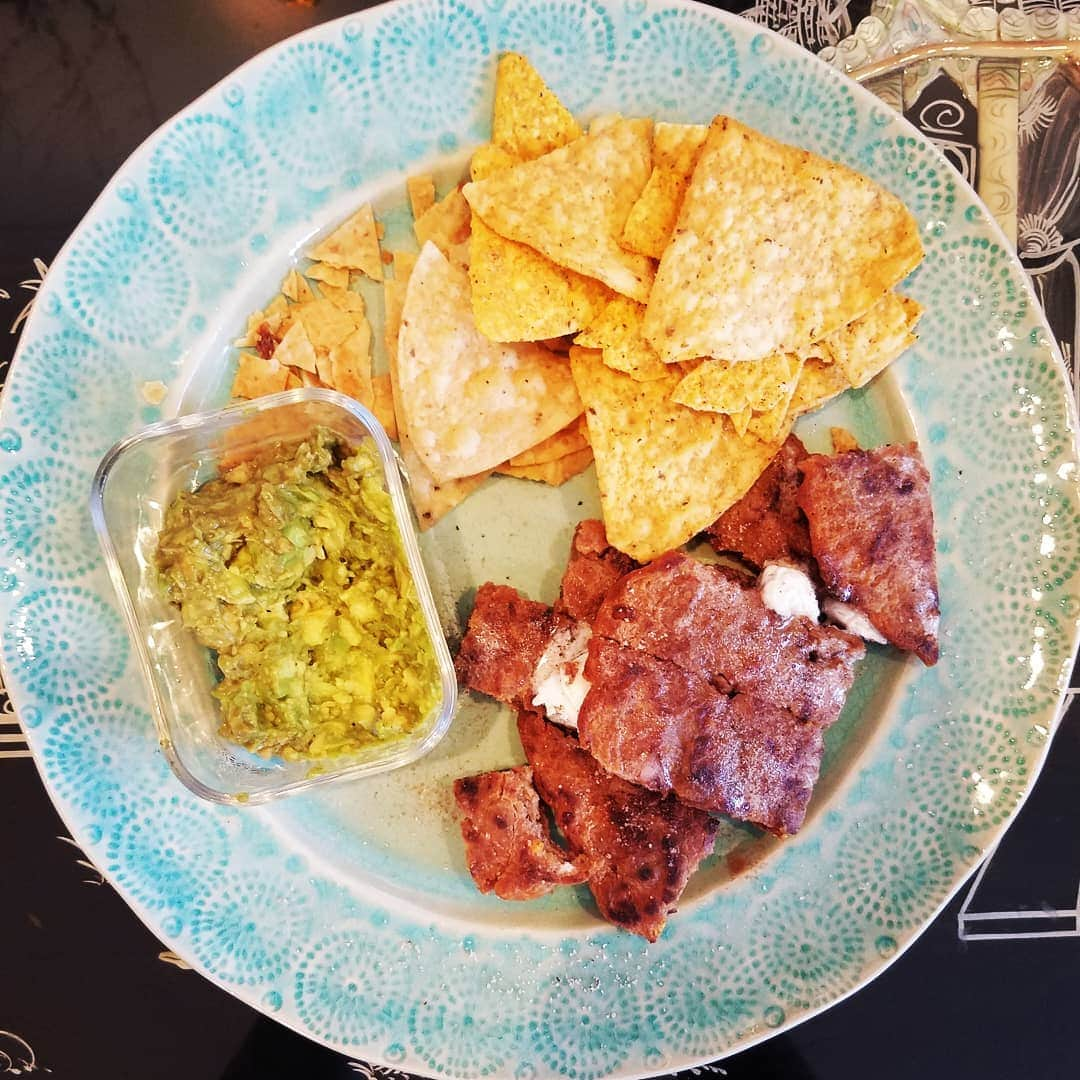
295	288
354	245
571	204
740	420
568	441
308	379
529	120
665	471
446	224
519	295
818	382
769	424
490	159
250	338
345	299
868	345
294	382
775	248
652	219
350	365
295	349
551	472
842	440
720	386
256	377
431	499
469	403
382	404
421	191
617	331
323	366
326	324
336	276
404	261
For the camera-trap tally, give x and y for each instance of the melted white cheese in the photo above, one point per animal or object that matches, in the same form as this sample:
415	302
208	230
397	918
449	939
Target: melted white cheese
559	683
852	620
788	591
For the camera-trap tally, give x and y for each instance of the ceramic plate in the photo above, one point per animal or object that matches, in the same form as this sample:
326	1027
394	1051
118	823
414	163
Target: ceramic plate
348	914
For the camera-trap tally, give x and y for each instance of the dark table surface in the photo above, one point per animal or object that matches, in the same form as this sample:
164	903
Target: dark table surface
88	988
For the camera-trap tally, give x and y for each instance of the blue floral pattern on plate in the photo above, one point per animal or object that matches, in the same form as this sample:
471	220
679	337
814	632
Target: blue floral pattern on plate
145	284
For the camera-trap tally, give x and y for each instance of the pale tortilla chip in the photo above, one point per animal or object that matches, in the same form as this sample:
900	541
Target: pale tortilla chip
665	471
323	366
617	331
551	472
325	323
519	295
529	120
295	349
570	440
309	379
350	365
842	440
866	346
295	288
250	338
337	276
382	404
354	245
819	382
469	403
431	500
446	224
775	248
571	204
256	377
652	219
720	386
345	299
421	191
740	420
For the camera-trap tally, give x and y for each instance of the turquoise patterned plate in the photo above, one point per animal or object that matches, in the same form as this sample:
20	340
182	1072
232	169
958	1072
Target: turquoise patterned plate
349	915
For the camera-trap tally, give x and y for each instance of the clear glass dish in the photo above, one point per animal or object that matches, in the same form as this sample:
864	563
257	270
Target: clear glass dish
133	486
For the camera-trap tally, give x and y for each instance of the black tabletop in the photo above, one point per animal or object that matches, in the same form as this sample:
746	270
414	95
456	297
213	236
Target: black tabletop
85	990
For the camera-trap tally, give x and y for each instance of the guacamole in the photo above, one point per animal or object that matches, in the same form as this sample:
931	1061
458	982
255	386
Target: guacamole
292	571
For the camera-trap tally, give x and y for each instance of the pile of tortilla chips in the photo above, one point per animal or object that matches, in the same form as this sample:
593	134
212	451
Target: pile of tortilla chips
667	298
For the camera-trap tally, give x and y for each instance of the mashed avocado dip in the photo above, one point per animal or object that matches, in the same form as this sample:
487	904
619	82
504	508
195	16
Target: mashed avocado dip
293	572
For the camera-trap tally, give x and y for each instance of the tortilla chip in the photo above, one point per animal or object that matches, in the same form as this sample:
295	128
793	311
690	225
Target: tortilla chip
256	377
295	288
740	420
720	386
519	295
421	191
842	440
570	440
652	219
294	382
250	337
326	324
818	382
529	120
350	365
469	403
345	299
866	346
336	276
490	159
551	472
446	224
617	331
769	425
775	248
404	261
571	204
665	471
431	500
295	349
323	366
382	404
354	245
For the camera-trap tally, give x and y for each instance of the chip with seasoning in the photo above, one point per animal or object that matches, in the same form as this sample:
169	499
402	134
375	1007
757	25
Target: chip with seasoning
571	204
665	472
470	403
572	439
353	245
757	265
554	473
528	119
616	331
720	386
